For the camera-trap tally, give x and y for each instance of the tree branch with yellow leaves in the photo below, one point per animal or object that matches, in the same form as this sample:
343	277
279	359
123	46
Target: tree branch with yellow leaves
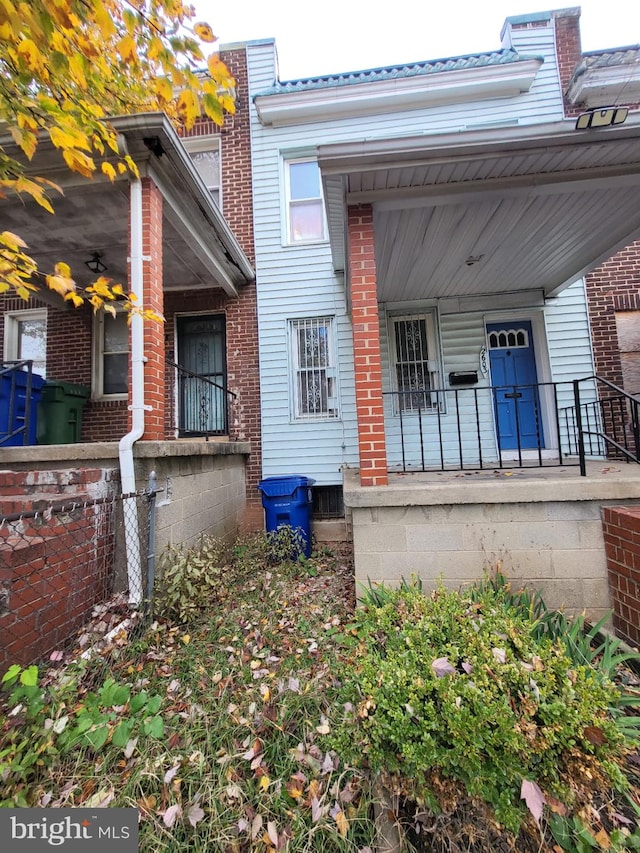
65	67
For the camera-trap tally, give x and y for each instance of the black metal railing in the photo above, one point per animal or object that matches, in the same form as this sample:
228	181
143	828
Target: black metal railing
17	406
610	424
202	406
510	426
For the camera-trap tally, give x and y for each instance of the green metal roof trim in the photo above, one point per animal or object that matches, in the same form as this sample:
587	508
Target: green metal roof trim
400	72
617	57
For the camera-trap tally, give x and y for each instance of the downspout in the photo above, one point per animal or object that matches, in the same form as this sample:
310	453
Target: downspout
137	407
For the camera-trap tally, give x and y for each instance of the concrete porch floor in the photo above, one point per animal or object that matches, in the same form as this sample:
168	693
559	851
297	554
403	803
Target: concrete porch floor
606	479
542	526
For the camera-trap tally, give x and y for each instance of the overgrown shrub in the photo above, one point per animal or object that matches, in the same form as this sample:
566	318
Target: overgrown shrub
283	547
458	687
189	580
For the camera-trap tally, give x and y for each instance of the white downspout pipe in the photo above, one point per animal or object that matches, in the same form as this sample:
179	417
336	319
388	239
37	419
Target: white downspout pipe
137	407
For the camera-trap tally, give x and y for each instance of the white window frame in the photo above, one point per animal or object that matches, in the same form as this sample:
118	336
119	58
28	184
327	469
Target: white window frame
12	320
302	375
288	239
200	145
97	378
433	371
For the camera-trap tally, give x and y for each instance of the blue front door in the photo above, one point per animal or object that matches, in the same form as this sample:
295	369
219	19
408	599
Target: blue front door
514	380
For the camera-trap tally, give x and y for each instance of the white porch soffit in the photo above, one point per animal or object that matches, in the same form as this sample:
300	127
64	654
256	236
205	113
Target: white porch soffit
195	220
488	211
199	249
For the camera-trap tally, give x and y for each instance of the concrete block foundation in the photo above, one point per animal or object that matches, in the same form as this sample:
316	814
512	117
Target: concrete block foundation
542	530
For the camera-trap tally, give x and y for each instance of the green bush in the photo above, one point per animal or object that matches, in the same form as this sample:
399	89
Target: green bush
461	687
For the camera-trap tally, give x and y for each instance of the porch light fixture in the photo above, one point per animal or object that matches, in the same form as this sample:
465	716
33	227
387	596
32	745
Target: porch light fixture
95	264
602	117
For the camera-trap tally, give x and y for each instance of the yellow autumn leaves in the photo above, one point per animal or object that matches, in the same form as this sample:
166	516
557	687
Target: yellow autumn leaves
67	66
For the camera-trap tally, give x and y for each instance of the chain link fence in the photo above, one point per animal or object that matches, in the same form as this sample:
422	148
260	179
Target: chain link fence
72	571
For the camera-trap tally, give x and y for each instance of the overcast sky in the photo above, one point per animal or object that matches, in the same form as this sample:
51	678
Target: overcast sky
330	36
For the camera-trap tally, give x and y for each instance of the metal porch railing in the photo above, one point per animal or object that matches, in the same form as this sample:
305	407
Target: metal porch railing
458	429
202	407
611	421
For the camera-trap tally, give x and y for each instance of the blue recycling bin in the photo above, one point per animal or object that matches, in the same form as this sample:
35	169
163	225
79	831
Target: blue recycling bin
289	501
15	391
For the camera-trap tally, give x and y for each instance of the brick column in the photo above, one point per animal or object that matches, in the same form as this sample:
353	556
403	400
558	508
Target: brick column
568	51
366	348
154	369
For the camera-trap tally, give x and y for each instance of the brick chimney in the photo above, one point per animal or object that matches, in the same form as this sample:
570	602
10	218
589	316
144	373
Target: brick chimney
568	49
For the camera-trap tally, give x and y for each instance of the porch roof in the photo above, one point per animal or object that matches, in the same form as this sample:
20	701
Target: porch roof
488	211
199	247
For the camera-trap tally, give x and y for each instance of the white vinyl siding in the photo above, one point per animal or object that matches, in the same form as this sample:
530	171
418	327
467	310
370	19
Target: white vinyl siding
313	363
299	278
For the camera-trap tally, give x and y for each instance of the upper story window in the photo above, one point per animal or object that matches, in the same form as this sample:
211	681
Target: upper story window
111	356
314	373
305	204
25	338
205	154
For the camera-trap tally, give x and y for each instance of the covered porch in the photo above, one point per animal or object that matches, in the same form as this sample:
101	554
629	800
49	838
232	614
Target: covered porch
161	236
463	257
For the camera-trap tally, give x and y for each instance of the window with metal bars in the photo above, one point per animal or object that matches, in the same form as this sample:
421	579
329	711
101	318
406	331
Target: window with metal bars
415	361
314	379
328	502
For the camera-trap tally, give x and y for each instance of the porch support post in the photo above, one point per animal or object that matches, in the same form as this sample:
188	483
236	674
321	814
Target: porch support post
366	347
153	299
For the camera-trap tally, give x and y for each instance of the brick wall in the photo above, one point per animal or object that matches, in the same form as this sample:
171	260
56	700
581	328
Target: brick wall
622	544
53	569
241	314
569	54
69	356
154	368
568	51
615	285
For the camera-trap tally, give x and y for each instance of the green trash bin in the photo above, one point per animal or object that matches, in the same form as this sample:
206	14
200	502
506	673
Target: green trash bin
60	412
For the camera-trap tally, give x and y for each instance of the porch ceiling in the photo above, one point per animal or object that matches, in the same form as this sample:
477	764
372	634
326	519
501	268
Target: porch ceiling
199	249
491	211
94	217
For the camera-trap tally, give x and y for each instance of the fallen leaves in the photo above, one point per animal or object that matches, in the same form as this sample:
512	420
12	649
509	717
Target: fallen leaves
533	797
442	667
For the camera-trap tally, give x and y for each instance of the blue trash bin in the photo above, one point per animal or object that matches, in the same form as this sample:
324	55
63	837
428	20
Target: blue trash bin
289	501
13	406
